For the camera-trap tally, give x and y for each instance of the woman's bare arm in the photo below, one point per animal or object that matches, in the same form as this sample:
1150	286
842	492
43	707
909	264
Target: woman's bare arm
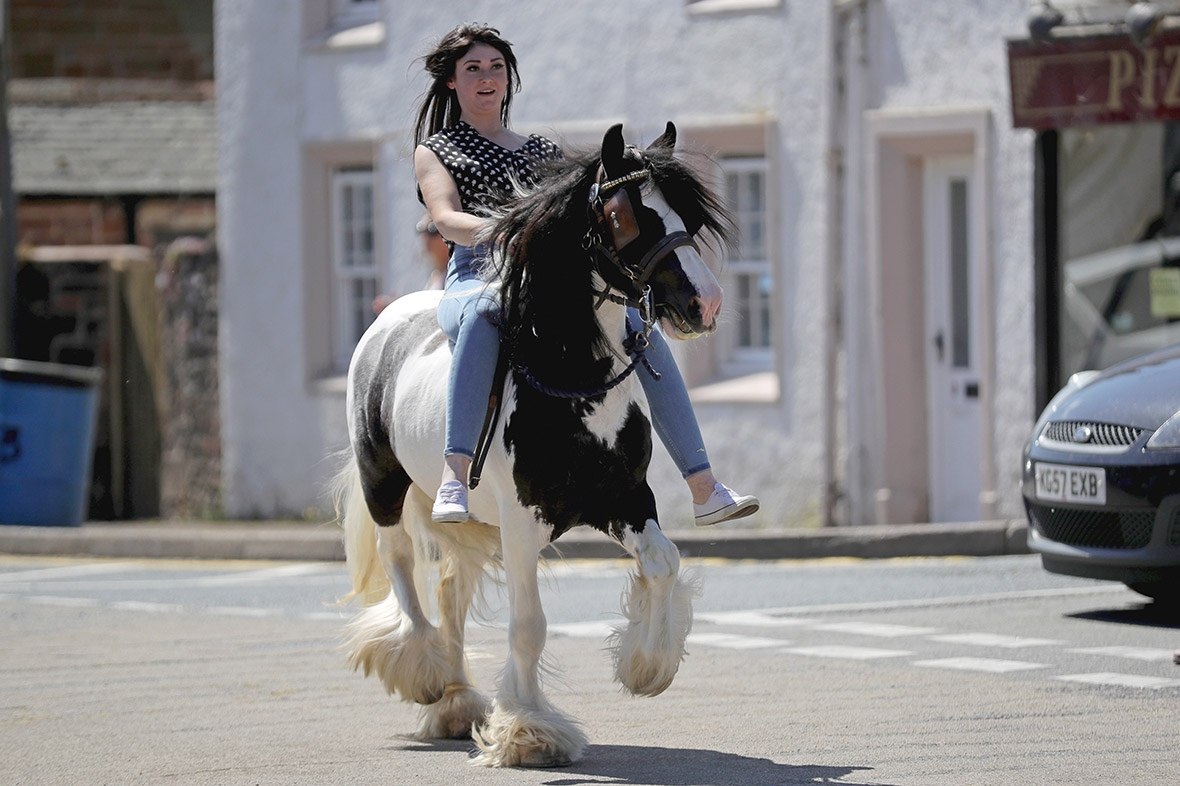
442	199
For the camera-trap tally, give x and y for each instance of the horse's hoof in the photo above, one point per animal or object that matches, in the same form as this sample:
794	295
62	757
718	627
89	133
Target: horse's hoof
542	759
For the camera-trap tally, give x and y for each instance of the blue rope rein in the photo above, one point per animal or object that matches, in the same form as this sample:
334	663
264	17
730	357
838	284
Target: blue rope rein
635	344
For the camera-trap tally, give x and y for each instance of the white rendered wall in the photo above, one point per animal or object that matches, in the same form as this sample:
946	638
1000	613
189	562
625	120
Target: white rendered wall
583	67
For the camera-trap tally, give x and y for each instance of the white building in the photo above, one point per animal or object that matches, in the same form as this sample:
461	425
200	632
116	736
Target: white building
879	358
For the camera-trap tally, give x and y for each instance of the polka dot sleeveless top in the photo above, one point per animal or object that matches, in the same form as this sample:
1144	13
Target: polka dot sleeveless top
482	170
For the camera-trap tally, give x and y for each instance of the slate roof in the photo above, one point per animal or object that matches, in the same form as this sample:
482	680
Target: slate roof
114	147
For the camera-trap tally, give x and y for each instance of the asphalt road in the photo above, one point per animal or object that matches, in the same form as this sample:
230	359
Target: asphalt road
917	671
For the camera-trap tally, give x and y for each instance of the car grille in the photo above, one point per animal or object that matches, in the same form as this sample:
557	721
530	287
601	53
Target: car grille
1101	433
1103	529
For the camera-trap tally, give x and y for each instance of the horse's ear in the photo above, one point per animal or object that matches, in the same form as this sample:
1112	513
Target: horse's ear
666	139
612	150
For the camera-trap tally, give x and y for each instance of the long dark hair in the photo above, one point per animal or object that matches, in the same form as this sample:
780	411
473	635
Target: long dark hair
440	105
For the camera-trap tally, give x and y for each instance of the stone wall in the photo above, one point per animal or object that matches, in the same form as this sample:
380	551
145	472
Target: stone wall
190	462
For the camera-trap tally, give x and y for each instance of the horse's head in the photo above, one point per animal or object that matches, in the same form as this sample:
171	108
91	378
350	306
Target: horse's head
646	210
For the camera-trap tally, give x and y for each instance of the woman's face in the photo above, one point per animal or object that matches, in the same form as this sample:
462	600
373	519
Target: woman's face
480	80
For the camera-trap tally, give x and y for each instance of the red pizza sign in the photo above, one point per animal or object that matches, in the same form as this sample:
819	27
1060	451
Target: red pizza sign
1095	79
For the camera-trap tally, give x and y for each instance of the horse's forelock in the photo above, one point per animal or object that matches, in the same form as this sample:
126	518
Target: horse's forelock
684	191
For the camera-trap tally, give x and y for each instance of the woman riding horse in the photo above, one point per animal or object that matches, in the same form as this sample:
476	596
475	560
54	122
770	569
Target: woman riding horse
588	260
468	161
598	233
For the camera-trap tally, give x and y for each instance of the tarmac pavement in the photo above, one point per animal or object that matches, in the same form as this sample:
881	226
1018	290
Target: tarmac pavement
294	540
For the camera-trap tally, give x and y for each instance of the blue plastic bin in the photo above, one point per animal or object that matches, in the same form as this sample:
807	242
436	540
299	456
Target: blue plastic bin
47	415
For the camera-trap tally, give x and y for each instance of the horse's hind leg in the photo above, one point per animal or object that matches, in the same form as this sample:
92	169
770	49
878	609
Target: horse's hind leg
524	729
658	607
465	551
393	638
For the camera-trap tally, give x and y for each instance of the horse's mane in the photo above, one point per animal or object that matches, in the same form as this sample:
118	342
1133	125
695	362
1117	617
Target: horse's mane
547	312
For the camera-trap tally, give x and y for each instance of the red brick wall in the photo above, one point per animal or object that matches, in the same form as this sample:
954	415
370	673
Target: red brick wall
112	39
70	222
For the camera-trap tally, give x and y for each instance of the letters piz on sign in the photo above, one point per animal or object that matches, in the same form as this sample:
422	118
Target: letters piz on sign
1058	483
1083	80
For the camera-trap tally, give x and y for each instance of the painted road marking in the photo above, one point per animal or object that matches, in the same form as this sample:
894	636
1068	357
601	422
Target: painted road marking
752	619
591	629
734	641
265	575
1131	653
67	571
880	630
54	600
1121	680
847	653
990	665
994	640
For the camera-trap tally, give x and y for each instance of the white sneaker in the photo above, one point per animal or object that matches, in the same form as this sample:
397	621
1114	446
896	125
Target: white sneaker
723	505
450	504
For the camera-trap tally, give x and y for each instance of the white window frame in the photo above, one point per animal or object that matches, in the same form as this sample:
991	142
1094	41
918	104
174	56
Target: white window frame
730	6
353	263
353	13
749	355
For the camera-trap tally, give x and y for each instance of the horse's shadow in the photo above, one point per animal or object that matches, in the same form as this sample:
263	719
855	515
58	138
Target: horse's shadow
633	765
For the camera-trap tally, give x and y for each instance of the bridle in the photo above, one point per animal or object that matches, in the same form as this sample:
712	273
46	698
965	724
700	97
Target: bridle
611	216
613	227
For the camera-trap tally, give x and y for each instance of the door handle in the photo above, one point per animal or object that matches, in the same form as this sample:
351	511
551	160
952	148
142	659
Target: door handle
938	345
971	390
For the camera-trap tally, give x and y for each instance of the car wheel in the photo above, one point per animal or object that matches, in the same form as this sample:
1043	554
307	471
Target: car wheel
1166	593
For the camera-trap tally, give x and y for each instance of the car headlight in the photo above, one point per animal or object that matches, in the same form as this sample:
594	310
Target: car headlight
1076	382
1167	435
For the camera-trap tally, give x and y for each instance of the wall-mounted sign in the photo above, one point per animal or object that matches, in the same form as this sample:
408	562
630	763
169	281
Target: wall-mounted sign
1074	81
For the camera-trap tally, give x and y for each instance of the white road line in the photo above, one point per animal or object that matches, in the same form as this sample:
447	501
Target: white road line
994	640
265	575
240	611
54	600
1131	653
847	653
326	615
591	629
880	630
1121	680
140	605
751	619
67	571
950	600
734	641
991	665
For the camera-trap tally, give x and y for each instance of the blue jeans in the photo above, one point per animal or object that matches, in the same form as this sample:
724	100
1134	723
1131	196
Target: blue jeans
465	316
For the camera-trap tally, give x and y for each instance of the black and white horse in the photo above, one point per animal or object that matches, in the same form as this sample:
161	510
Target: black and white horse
598	233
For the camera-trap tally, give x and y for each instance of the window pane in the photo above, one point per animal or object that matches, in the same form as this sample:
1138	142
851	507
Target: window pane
355	282
960	277
755	192
755	248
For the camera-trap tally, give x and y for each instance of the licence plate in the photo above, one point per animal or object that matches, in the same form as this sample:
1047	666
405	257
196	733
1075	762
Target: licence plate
1058	483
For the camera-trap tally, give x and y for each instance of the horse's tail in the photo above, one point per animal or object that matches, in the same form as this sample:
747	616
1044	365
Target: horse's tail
369	582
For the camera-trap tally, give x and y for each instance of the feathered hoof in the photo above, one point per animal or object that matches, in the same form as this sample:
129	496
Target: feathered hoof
523	737
648	650
452	717
410	660
647	673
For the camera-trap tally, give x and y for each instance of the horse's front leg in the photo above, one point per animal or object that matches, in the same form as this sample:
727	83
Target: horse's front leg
648	649
524	729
